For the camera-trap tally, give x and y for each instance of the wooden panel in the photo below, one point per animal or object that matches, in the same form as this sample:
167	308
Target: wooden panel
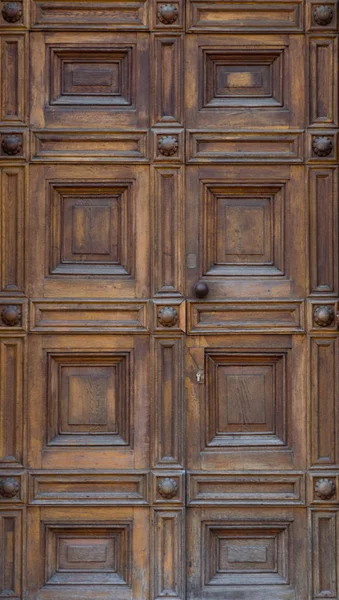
11	554
167	80
324	414
168	216
324	554
240	147
245	402
260	552
323	91
122	57
94	488
248	489
168	402
72	146
232	316
168	547
209	15
95	550
75	316
70	255
12	225
249	227
12	79
110	14
88	397
11	405
228	76
323	186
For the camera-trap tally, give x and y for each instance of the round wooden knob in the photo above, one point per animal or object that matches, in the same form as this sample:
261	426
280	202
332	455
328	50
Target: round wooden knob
12	12
324	316
11	315
9	487
322	145
168	145
324	488
323	15
12	144
168	487
168	316
201	289
167	14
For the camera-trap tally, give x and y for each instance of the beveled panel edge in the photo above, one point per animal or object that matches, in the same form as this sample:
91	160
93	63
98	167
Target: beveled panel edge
137	325
196	480
95	495
293	311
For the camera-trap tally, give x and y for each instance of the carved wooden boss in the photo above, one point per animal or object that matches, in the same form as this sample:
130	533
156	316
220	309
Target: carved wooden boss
169	293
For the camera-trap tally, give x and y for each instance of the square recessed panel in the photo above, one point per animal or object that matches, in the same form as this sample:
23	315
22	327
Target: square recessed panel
89	399
245	553
91	229
91	76
242	78
89	555
243	230
245	399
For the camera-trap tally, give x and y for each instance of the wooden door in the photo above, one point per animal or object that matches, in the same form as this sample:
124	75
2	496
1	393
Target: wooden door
169	293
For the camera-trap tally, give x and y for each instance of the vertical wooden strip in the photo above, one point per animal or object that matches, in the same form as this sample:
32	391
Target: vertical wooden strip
168	72
323	393
12	229
324	555
168	554
323	82
10	554
13	79
11	408
168	213
168	396
323	230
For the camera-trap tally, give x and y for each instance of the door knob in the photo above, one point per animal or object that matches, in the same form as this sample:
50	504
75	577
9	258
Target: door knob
201	289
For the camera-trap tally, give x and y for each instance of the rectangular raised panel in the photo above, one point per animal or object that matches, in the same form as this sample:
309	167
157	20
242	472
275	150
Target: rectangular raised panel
92	76
235	316
240	147
168	80
240	554
324	424
88	555
323	186
90	399
12	225
250	489
13	81
10	554
168	250
168	544
71	146
110	14
91	229
209	15
246	399
90	489
242	78
243	230
323	82
81	317
168	408
11	399
324	555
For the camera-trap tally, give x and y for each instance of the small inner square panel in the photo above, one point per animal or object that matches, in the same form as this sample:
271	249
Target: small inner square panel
242	78
245	401
86	554
98	78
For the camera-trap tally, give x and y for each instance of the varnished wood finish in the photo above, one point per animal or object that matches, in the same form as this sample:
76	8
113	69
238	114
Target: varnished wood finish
169	300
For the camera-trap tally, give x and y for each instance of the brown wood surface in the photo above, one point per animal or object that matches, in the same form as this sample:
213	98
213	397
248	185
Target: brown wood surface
169	298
